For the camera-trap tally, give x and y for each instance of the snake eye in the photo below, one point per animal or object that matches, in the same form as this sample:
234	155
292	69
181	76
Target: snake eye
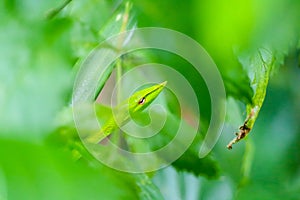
142	101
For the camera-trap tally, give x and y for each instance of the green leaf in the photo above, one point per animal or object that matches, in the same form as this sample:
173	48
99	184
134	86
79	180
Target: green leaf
189	160
260	68
33	171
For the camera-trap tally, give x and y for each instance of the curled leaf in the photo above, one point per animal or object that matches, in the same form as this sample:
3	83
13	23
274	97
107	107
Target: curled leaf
261	66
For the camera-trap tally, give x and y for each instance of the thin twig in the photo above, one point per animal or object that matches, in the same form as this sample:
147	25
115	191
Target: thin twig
53	12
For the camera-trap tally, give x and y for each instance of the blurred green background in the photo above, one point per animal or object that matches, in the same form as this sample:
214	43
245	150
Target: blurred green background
41	41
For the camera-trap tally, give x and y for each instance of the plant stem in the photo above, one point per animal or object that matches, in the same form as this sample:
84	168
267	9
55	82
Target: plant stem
120	45
53	12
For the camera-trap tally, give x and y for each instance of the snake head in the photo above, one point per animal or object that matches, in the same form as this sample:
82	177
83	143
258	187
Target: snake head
142	98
